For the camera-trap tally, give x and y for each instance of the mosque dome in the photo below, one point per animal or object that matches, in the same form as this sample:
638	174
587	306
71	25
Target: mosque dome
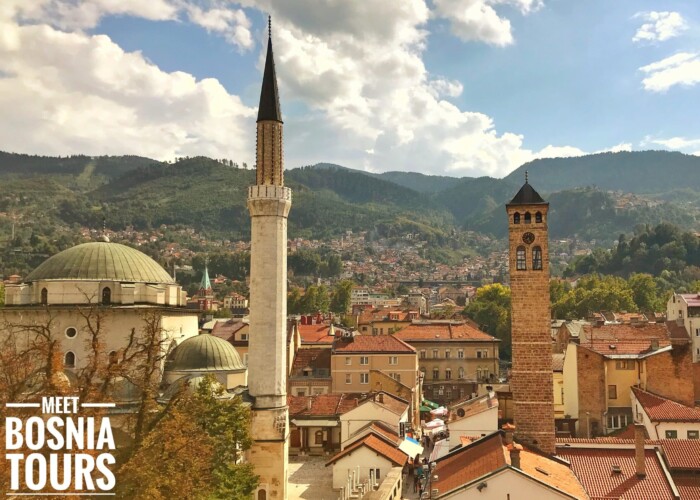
204	352
101	261
190	383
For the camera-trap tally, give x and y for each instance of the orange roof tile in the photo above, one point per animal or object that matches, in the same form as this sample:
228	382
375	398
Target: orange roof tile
610	340
372	344
688	486
681	453
664	410
322	405
417	332
594	468
315	334
388	401
558	362
316	358
376	444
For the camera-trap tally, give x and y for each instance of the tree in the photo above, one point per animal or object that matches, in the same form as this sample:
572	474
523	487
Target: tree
340	301
645	293
490	309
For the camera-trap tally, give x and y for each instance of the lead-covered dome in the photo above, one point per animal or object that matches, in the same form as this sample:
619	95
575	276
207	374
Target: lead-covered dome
204	352
97	261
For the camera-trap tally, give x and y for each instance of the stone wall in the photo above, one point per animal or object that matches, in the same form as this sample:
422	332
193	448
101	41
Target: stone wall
670	374
591	391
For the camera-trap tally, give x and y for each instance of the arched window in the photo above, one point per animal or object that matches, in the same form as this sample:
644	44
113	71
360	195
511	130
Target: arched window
516	218
538	217
44	297
318	437
106	296
528	218
262	495
460	373
69	360
537	258
520	263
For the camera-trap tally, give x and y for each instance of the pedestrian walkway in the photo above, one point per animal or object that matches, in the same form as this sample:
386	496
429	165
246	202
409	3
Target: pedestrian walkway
408	492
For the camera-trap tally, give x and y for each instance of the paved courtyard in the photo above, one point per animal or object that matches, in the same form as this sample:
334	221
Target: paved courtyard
310	479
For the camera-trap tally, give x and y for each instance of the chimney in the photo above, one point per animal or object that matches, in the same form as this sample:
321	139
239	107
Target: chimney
639	449
654	344
308	403
509	429
515	455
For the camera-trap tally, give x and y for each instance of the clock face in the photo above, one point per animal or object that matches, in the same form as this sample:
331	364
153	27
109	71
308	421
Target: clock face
528	237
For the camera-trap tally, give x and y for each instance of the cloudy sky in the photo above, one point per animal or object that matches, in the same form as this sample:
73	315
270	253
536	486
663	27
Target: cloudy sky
455	87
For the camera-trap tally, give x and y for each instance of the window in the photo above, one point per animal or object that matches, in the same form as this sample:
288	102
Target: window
393	360
461	396
422	354
301	392
71	332
69	360
381	331
460	373
318	437
528	218
436	374
375	331
520	263
396	376
697	332
624	364
448	374
617	421
460	353
435	353
317	390
447	354
262	495
348	378
516	218
538	217
482	353
376	473
106	296
113	359
244	336
537	258
348	360
693	434
364	378
44	296
612	392
448	393
364	360
671	434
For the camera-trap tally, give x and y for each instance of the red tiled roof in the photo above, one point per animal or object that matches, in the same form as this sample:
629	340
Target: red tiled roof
315	358
594	468
610	340
693	299
469	463
417	332
371	315
664	410
388	401
315	334
381	429
376	444
321	405
681	453
226	329
372	344
688	486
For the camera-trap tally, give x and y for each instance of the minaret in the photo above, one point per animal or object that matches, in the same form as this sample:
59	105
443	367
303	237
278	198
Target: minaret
531	381
269	202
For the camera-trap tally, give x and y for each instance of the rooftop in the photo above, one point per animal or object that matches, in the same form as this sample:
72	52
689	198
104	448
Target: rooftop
558	362
527	196
204	352
661	409
467	408
322	405
377	445
443	332
372	344
315	334
594	468
625	339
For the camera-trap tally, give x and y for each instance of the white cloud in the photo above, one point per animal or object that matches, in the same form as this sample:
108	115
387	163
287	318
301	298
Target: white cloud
659	26
682	68
678	143
623	146
478	20
73	93
231	23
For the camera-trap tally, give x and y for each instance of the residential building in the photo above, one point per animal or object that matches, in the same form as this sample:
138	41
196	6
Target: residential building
685	308
454	358
235	332
610	359
384	321
315	422
473	417
664	418
310	373
377	407
495	467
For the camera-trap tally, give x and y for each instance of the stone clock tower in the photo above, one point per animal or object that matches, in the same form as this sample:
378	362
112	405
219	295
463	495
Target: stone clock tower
269	203
531	380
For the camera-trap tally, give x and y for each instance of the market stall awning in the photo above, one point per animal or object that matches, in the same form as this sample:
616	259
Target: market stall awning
430	404
425	408
411	447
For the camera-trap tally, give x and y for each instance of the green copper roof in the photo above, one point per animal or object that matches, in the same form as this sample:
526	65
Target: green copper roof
204	352
206	282
101	261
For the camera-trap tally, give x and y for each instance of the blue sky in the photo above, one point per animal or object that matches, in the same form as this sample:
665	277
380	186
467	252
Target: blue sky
456	87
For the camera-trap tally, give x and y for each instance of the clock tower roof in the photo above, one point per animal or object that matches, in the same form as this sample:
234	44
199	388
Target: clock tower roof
527	196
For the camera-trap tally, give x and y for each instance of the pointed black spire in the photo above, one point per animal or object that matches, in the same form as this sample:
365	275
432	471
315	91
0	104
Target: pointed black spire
527	195
269	108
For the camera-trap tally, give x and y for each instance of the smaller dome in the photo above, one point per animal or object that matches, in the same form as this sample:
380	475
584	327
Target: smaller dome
204	352
190	383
